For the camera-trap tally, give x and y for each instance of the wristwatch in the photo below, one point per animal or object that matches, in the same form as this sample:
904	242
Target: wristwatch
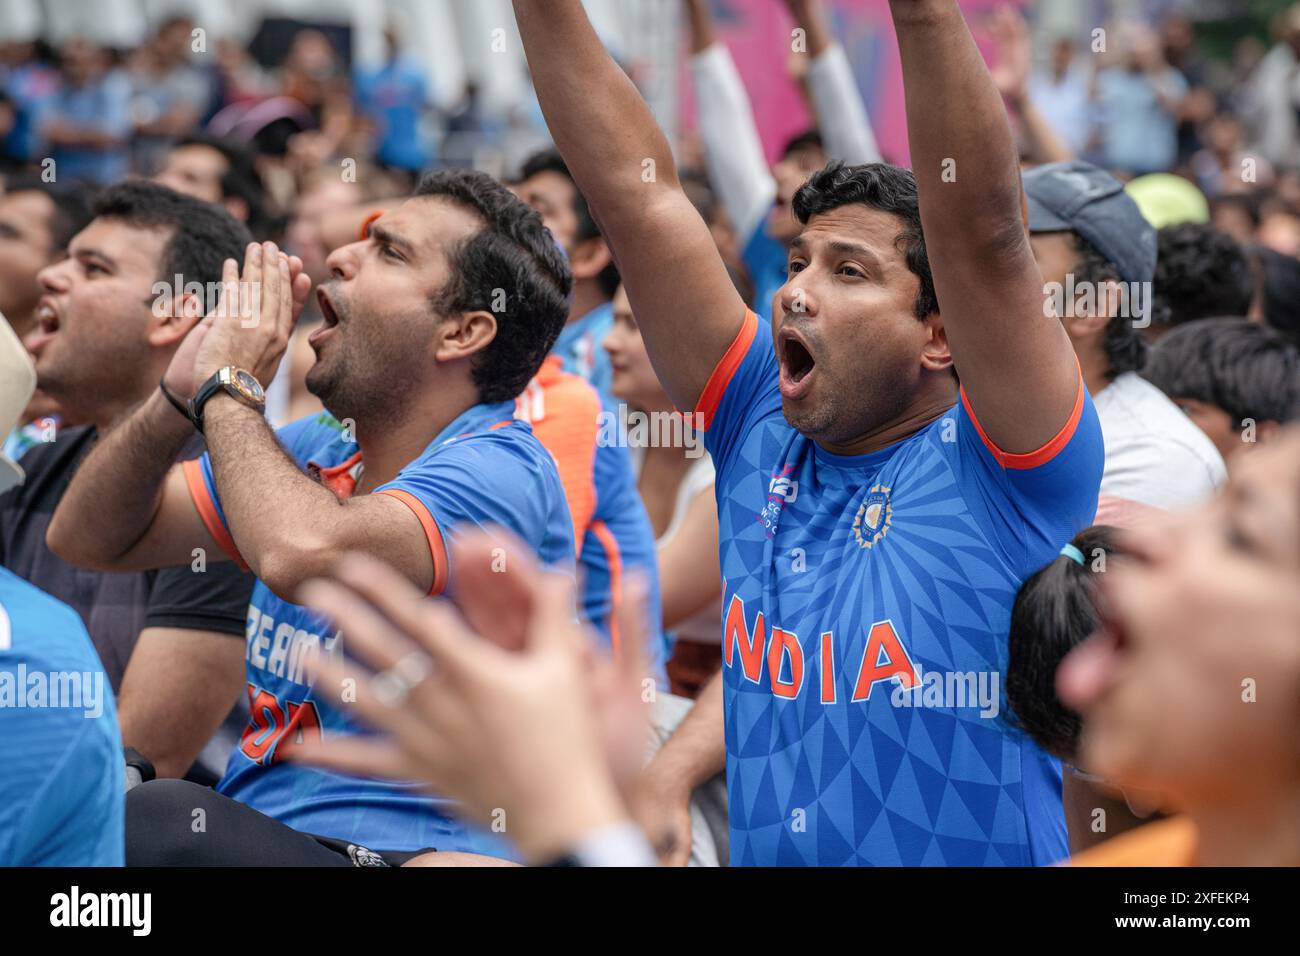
238	384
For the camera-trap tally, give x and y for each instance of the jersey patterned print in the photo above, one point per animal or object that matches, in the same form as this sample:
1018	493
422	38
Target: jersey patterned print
610	523
866	604
484	469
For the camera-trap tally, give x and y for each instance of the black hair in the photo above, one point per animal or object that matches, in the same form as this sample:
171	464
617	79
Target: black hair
72	205
1052	614
550	161
1125	345
203	235
240	181
890	189
1201	272
808	139
513	254
1280	286
1247	369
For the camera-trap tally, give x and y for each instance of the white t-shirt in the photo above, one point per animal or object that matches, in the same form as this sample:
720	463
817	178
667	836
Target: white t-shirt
705	625
1155	454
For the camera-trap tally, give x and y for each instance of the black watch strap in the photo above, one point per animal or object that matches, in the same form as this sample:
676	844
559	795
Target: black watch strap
179	404
206	391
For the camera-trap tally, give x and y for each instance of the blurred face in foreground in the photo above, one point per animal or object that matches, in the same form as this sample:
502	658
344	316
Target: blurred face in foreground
1191	688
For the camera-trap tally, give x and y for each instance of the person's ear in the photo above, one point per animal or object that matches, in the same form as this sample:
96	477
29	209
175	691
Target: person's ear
590	258
936	356
464	335
172	317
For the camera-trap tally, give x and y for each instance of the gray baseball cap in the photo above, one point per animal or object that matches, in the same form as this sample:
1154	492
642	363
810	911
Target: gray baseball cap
1079	197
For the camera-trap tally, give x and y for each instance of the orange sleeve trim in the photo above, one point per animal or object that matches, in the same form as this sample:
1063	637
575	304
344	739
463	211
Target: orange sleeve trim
610	544
437	549
207	509
1032	459
717	384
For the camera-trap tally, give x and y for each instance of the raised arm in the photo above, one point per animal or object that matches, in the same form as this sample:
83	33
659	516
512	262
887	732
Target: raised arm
841	114
1016	365
684	301
732	149
1011	76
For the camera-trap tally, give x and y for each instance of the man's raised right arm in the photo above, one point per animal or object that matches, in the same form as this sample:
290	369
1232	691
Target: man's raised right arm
683	299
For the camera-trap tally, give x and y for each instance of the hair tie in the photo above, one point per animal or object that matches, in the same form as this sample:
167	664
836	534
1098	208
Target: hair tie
1073	553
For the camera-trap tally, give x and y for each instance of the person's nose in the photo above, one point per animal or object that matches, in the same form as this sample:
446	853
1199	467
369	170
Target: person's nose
343	261
796	296
56	278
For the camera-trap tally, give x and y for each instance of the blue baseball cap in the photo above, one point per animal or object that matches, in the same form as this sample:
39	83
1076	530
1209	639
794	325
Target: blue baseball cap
1081	198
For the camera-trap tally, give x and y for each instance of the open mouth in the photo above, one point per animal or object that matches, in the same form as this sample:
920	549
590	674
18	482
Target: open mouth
329	317
47	317
47	327
327	310
797	364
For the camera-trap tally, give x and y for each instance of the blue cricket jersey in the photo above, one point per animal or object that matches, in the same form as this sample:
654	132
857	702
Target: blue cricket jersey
62	793
866	603
767	261
581	347
611	528
483	469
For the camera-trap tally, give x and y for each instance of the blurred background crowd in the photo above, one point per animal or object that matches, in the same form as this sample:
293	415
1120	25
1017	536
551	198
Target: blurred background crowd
292	88
289	112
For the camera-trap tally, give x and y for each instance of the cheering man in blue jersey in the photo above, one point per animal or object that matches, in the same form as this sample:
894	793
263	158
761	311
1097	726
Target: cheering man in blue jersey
905	443
419	361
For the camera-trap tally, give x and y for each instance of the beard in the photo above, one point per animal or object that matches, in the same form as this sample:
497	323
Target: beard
369	382
844	408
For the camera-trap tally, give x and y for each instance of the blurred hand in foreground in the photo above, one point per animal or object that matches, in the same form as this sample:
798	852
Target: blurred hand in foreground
502	703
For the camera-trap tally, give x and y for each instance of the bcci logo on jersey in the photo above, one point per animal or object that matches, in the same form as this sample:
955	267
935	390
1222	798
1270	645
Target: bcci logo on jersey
873	517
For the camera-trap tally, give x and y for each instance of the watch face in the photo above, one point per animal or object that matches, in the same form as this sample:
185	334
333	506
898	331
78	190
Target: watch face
248	385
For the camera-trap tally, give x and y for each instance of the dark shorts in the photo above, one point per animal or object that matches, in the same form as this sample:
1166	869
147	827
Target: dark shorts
165	828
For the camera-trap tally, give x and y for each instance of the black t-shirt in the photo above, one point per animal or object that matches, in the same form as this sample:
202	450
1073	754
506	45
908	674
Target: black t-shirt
114	606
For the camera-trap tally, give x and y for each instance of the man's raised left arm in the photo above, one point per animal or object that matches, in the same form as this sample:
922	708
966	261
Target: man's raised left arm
1017	366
